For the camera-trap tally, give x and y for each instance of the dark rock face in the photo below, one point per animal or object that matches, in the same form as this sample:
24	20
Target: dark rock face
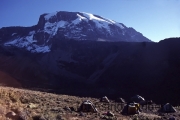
94	68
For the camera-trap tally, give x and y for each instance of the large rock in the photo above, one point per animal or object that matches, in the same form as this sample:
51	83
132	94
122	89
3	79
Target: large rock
12	115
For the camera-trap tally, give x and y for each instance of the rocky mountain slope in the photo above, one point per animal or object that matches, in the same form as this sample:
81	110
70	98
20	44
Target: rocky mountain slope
68	25
112	68
21	104
50	56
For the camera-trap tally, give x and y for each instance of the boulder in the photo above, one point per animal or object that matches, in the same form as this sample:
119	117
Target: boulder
32	106
12	115
109	113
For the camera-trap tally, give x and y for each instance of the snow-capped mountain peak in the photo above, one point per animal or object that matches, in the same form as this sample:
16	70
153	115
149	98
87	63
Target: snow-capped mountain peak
83	16
70	25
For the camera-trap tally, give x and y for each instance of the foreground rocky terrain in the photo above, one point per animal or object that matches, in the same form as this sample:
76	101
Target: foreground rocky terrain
22	104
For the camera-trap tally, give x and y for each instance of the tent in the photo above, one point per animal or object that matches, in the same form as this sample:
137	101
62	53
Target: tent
149	102
104	99
137	99
87	106
168	108
120	100
131	109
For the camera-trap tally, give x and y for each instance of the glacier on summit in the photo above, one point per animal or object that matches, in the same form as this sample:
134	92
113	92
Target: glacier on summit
72	25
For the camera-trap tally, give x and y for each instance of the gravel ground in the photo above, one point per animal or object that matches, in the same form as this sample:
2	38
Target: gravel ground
22	104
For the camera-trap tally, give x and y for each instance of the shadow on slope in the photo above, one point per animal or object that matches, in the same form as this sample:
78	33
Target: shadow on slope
7	80
90	68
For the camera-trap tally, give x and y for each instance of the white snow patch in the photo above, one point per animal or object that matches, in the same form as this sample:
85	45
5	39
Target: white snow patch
51	28
30	39
13	34
32	32
29	48
79	19
92	17
82	18
29	44
76	21
20	42
41	49
61	24
11	42
48	16
100	39
115	23
102	22
119	25
83	35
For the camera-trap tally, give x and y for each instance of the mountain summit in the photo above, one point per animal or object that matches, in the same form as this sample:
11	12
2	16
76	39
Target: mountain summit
67	25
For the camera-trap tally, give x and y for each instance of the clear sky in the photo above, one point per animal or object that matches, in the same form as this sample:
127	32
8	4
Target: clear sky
155	19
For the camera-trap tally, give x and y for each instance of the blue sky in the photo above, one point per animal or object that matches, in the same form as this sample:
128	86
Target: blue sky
155	19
